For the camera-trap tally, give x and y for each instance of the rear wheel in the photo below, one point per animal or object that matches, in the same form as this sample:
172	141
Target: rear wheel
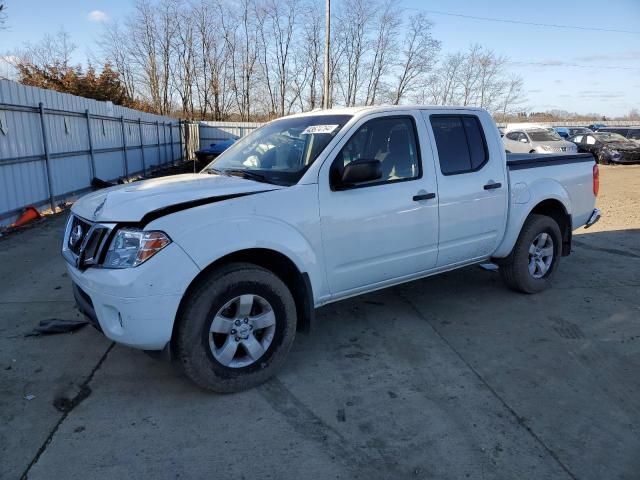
532	263
236	328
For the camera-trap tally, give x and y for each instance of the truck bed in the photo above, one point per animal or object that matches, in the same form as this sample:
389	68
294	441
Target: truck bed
519	161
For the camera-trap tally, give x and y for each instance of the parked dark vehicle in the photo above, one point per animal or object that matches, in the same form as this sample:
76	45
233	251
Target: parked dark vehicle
578	130
596	126
562	131
608	147
205	155
630	133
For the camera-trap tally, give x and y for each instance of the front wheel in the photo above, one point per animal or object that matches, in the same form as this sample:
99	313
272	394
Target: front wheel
236	328
534	259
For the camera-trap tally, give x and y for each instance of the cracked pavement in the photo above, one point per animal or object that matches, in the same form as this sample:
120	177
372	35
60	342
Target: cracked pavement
452	376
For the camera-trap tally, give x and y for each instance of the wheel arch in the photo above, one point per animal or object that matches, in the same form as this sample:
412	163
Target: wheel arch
298	282
555	209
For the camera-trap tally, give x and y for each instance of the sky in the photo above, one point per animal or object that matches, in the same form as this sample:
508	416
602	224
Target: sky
582	70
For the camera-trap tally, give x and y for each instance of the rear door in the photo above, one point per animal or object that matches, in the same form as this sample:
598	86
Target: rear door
472	185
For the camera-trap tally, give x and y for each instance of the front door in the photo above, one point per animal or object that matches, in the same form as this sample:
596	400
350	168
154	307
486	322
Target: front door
387	229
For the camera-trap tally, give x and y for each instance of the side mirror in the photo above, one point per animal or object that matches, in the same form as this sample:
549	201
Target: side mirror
359	171
524	140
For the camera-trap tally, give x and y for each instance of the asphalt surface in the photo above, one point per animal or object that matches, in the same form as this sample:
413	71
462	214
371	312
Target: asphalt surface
450	377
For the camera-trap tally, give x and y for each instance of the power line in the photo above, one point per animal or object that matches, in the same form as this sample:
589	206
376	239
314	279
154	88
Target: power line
564	64
519	22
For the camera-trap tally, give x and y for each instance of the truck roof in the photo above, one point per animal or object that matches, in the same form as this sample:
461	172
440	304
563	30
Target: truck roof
383	108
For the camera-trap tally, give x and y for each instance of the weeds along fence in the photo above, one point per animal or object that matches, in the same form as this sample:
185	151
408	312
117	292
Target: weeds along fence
53	144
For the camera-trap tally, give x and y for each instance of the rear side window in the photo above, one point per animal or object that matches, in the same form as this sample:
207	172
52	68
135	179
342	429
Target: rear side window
460	141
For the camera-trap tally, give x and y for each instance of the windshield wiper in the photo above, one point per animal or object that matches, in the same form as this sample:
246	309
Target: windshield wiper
247	174
213	171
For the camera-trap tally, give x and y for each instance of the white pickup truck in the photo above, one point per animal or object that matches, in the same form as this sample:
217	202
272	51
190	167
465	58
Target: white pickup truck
220	269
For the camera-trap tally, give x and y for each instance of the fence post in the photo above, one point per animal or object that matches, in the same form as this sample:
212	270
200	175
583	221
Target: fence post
47	157
158	135
164	141
124	148
89	136
180	135
144	168
173	160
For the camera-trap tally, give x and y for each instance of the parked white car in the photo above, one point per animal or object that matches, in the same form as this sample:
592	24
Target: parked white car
220	269
536	140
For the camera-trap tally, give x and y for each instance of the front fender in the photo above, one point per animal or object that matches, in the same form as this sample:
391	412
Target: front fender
206	242
523	199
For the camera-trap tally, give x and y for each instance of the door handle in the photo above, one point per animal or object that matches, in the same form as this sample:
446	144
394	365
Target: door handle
424	196
492	186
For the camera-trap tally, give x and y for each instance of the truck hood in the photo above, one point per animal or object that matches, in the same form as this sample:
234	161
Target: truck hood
131	202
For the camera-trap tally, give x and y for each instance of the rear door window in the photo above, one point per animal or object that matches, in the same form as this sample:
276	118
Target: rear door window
461	143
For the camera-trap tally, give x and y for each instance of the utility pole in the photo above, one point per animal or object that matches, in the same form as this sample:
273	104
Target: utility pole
327	45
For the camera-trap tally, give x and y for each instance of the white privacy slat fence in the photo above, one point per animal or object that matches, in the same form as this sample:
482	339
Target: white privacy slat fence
52	145
212	132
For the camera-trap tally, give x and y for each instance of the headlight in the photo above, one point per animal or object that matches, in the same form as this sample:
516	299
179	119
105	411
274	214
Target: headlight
546	148
614	153
130	247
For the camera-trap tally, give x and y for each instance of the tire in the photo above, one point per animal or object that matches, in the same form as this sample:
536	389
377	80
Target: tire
203	354
515	269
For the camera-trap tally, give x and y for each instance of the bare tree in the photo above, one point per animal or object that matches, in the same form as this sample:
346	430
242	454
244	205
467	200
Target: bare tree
418	56
386	25
3	15
352	27
312	51
242	41
513	95
116	52
183	69
55	50
469	75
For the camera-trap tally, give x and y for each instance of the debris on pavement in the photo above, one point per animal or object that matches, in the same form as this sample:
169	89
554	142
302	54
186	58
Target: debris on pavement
56	325
29	397
28	215
98	183
489	267
65	404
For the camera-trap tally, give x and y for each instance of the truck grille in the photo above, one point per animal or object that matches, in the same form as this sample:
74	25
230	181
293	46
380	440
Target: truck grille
84	242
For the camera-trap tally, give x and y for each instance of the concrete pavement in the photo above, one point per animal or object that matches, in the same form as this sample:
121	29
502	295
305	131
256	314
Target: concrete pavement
448	377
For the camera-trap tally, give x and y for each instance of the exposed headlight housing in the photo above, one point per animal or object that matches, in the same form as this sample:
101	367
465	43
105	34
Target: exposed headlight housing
131	247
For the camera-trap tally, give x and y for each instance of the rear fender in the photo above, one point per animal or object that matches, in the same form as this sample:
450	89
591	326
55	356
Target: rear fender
523	201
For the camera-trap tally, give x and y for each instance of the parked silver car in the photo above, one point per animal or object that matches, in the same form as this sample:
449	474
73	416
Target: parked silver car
536	140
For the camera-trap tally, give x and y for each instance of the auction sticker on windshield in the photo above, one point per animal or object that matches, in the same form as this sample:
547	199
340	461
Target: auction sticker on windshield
310	130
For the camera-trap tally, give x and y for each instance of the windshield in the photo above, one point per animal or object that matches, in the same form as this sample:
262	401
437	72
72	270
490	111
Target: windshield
610	137
281	151
543	136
